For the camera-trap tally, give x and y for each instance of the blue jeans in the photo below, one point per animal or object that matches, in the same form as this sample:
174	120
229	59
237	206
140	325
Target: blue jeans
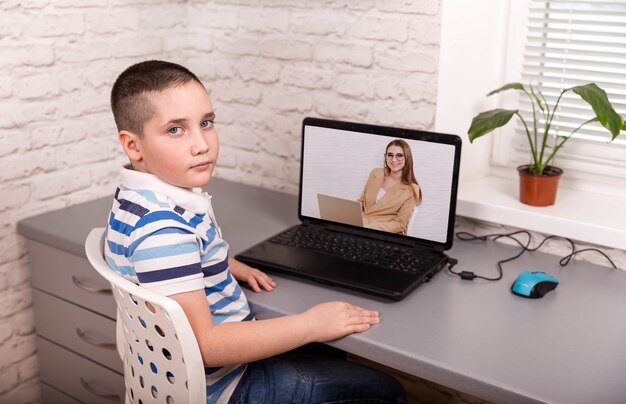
315	379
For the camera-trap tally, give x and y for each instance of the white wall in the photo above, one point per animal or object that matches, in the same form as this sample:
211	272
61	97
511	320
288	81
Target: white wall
481	50
58	59
267	64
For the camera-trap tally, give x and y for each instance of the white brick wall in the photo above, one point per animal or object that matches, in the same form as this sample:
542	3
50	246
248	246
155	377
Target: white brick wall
266	63
270	63
58	60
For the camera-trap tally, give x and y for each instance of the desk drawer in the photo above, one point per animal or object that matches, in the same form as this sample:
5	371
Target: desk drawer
50	395
78	329
78	377
69	277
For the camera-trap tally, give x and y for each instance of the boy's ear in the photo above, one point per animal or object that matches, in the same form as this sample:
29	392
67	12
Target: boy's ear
131	144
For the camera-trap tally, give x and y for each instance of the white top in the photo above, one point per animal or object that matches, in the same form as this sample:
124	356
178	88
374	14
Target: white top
381	193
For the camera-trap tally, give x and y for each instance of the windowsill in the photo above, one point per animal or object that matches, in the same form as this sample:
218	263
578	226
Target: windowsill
583	216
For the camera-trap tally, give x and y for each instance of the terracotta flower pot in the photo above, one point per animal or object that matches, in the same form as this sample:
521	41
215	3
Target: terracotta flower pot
538	190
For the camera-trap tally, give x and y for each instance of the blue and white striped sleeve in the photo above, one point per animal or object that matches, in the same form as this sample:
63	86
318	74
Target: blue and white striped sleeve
168	262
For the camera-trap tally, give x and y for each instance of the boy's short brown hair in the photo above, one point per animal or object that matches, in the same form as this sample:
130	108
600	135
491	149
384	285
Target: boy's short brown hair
130	99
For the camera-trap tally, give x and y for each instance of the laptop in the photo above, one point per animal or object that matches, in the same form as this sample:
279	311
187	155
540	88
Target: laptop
337	158
340	210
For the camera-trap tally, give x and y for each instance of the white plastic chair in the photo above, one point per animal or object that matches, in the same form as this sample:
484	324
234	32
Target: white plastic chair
162	361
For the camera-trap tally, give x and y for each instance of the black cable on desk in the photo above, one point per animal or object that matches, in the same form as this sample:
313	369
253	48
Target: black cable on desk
470	275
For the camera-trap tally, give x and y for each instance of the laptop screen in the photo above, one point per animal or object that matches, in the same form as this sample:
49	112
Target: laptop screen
380	180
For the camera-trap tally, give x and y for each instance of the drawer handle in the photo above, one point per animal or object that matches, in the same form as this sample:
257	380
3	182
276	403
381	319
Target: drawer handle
102	291
90	340
95	392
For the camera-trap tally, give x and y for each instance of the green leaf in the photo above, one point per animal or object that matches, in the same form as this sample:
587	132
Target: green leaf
510	86
485	122
532	91
597	98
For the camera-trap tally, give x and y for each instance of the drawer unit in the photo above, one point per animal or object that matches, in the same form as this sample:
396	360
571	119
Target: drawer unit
77	376
69	277
75	323
83	331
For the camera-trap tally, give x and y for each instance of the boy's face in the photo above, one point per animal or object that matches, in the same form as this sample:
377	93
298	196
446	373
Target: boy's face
179	144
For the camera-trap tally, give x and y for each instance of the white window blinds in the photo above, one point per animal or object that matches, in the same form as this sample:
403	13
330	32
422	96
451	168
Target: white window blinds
576	42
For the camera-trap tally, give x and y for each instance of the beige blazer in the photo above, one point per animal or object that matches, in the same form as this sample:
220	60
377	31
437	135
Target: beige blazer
393	212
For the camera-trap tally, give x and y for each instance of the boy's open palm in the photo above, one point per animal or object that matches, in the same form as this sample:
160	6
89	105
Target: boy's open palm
333	320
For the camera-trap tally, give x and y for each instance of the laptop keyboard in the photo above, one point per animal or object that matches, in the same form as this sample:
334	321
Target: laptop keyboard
357	249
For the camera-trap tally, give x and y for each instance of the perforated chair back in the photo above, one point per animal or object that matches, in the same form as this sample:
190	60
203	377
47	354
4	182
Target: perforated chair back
162	361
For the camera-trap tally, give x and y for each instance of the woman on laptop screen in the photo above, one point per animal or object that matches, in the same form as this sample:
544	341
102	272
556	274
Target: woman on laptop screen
392	192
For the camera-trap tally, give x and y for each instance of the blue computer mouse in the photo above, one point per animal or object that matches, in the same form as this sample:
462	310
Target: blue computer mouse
534	284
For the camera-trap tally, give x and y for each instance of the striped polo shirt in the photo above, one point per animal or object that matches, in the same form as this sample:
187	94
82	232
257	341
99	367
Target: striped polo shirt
166	239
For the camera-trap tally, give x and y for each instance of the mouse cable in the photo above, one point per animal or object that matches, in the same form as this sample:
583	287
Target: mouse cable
469	275
566	259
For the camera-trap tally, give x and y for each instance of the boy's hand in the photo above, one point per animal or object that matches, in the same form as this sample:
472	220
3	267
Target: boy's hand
253	277
332	320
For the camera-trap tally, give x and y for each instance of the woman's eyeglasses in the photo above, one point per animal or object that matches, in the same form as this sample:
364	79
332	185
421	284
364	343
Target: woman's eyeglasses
398	156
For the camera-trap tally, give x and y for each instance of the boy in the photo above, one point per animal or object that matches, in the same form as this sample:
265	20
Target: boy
162	234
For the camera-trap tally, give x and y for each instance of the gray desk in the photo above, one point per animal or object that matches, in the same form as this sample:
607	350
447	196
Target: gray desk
475	337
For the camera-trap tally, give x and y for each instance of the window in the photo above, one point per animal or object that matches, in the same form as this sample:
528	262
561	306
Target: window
482	47
570	43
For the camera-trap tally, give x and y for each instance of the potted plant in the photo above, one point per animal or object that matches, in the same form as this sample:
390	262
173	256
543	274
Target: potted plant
540	169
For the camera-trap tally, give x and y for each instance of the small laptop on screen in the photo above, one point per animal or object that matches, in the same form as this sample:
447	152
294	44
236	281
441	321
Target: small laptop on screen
340	210
404	183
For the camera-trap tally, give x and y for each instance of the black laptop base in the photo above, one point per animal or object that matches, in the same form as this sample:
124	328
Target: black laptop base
338	271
